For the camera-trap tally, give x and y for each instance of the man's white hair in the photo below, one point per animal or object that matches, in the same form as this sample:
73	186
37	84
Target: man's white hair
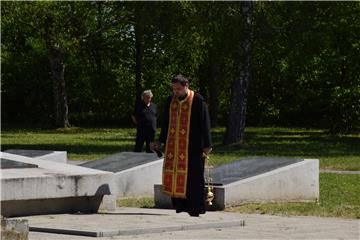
148	93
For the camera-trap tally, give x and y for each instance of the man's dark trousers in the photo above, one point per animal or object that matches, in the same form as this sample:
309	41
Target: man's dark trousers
144	134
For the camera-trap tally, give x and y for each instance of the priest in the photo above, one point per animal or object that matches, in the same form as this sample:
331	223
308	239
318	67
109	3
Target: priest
186	134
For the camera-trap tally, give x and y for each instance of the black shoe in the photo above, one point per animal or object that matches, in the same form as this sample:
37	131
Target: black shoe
194	214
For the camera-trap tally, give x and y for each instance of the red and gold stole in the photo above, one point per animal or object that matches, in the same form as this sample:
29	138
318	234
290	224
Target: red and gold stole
176	153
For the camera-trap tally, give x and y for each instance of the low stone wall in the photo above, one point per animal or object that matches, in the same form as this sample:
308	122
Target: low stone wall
51	187
295	182
134	173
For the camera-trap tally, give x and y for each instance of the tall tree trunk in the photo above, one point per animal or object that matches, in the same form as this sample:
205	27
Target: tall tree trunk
56	58
98	41
57	66
138	50
98	82
235	131
209	85
203	80
214	94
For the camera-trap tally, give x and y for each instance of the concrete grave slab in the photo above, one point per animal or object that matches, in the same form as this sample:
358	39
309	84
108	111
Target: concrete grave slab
54	156
7	164
52	187
135	173
259	179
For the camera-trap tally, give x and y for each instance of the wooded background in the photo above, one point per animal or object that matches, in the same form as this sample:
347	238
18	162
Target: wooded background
264	63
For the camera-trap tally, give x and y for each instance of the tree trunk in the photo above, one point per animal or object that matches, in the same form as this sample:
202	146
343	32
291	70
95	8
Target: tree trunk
235	131
214	94
56	58
57	66
209	85
138	51
99	42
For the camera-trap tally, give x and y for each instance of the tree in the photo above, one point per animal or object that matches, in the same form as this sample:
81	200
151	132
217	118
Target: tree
57	66
235	130
96	58
42	23
306	65
39	26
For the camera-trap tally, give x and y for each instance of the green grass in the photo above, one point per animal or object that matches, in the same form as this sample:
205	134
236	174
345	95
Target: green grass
341	152
80	143
140	202
339	197
339	193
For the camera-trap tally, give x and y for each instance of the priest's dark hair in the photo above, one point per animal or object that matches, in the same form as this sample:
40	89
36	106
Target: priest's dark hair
180	79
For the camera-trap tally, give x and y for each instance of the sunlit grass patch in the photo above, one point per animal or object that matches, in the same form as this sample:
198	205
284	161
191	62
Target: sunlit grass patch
339	197
140	202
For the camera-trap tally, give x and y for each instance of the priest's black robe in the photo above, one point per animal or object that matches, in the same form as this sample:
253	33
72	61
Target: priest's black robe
199	138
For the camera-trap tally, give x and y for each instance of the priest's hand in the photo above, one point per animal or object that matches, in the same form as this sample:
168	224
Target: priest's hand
207	151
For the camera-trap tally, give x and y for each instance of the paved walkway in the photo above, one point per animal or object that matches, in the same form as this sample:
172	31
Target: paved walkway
137	223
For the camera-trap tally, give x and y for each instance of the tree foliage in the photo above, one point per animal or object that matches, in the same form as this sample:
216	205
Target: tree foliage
304	60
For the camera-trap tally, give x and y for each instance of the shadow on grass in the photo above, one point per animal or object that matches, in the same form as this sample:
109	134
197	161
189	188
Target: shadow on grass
290	143
258	141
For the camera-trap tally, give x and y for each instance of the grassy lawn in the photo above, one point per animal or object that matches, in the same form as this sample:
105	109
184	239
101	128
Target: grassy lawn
341	152
80	143
339	193
339	197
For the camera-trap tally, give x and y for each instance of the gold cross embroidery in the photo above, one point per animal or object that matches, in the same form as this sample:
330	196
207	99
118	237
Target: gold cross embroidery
172	130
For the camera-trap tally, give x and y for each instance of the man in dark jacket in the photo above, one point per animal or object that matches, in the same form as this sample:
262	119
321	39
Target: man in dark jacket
144	117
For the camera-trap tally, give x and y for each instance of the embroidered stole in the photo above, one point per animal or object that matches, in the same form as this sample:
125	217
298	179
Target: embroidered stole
175	166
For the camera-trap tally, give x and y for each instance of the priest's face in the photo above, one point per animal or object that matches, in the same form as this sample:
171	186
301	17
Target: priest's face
179	90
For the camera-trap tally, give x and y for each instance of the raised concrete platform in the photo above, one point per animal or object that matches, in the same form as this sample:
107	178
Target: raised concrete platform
257	226
50	187
135	173
130	221
259	179
54	156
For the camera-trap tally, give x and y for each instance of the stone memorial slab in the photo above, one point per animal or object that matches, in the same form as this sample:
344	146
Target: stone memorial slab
135	173
121	161
55	156
7	163
51	187
259	179
248	167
